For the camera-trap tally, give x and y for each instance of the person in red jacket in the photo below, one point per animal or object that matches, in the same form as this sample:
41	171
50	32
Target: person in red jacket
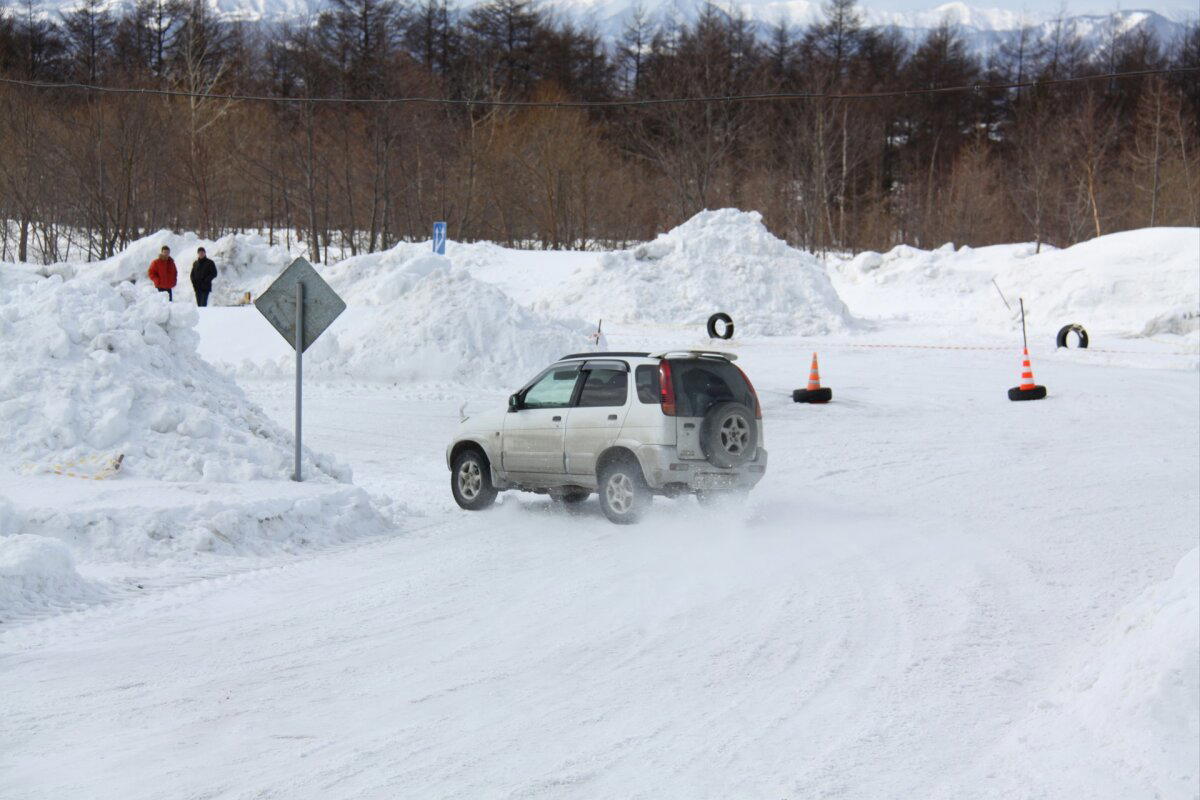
163	273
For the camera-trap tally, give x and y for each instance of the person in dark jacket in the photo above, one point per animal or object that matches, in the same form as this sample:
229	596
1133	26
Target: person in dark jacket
204	271
162	272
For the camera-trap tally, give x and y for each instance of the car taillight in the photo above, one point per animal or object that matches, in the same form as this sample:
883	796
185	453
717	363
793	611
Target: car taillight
757	405
666	389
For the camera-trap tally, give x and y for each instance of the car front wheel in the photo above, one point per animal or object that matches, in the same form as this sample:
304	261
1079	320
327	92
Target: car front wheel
624	495
471	481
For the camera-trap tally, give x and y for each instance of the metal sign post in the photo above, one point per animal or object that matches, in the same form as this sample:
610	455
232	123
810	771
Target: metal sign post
296	476
300	305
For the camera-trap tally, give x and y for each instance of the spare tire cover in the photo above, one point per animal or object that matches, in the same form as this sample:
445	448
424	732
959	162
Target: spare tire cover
729	435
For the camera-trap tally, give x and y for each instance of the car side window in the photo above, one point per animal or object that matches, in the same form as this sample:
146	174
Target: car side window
552	390
604	387
647	379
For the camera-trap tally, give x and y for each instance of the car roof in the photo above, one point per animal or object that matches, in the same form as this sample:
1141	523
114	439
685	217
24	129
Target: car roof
610	354
664	354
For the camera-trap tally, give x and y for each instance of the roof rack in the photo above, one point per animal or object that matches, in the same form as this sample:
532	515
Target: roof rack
695	354
609	354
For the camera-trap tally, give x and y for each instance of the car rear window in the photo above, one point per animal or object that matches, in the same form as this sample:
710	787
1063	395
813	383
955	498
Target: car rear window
701	383
648	388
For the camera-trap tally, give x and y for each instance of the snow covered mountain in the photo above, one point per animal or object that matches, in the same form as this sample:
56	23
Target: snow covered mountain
982	27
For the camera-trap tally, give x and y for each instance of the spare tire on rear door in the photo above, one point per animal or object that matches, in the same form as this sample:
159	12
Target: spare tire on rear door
729	435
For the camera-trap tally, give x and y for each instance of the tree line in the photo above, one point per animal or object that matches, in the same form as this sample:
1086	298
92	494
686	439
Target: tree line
1050	162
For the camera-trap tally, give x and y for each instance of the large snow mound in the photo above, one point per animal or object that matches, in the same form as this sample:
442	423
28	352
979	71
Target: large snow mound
722	260
1139	695
93	371
377	278
1135	283
415	317
246	262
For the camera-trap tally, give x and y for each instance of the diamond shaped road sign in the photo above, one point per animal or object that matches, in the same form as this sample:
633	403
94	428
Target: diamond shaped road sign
321	303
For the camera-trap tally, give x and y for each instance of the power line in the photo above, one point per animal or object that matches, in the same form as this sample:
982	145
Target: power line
568	104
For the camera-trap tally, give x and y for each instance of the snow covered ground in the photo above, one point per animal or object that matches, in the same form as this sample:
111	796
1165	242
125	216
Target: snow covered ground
933	593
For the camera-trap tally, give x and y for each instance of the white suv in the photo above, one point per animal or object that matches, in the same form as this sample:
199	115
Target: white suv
625	425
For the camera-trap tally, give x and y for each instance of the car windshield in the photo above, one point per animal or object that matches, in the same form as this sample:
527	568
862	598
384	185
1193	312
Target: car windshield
701	383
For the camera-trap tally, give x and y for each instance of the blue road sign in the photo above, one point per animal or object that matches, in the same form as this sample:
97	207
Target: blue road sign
439	238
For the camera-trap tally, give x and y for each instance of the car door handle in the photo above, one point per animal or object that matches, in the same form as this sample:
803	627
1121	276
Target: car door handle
556	419
612	416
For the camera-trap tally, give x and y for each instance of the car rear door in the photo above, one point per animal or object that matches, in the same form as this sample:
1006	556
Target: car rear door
533	433
700	384
594	421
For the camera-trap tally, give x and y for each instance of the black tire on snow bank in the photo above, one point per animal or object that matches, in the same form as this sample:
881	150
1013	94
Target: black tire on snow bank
720	316
822	395
1061	340
1036	393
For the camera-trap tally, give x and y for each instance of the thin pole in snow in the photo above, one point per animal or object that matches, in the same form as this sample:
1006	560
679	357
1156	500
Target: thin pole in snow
1024	341
299	369
1002	297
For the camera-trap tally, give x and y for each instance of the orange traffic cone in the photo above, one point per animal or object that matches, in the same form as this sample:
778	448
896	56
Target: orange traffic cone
813	393
1028	390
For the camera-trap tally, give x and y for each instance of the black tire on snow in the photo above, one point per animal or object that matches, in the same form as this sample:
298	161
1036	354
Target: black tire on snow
822	395
729	435
624	494
471	481
1036	393
1061	340
720	316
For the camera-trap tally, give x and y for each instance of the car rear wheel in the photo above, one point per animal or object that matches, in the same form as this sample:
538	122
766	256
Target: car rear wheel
624	495
471	481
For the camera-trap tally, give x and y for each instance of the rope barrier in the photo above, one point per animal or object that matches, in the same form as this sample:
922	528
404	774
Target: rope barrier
108	467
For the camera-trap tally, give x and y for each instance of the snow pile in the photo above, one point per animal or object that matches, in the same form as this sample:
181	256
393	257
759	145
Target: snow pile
418	318
383	278
94	371
1139	694
1135	283
717	261
360	279
245	263
74	543
141	521
1126	716
37	573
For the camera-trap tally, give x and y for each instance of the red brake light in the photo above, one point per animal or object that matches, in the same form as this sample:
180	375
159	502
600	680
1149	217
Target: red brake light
666	389
757	405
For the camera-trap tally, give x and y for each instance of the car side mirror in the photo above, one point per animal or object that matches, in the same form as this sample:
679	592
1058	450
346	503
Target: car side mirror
514	402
